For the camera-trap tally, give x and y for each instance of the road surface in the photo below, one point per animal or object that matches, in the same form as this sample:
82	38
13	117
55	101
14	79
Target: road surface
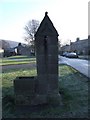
82	66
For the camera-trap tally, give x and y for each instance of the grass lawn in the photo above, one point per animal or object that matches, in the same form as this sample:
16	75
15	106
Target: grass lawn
73	87
13	60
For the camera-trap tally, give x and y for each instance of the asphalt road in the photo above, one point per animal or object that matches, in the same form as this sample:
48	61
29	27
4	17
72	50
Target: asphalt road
83	66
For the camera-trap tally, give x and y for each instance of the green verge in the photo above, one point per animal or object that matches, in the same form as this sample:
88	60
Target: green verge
84	57
73	88
17	60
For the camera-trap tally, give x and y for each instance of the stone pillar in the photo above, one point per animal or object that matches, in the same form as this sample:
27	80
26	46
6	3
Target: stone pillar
42	65
43	88
46	41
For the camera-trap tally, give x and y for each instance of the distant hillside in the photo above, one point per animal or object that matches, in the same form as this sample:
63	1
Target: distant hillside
12	44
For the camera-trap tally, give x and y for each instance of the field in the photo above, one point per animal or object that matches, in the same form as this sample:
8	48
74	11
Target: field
73	88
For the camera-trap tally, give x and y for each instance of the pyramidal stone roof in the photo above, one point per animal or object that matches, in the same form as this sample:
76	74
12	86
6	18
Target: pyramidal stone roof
46	27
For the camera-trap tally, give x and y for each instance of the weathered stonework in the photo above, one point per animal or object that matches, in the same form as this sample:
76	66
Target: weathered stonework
47	59
43	88
24	88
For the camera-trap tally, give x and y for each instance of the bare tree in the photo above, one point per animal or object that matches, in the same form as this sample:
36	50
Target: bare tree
31	29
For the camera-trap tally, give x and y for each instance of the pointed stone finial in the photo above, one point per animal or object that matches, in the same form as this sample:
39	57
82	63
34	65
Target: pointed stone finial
46	13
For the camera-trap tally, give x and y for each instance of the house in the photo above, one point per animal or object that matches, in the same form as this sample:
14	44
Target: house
9	52
23	49
9	48
79	46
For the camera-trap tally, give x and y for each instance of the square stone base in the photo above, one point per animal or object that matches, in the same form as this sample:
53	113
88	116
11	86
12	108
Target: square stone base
26	93
25	89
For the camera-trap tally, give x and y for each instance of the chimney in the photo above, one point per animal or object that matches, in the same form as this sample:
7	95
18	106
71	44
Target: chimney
77	39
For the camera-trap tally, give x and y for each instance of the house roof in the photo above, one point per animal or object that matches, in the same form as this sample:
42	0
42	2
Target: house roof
46	27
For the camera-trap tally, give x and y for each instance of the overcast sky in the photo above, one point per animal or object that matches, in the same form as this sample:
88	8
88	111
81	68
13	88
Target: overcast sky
70	17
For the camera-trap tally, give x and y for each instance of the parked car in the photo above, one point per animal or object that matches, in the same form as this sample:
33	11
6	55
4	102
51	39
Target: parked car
72	55
64	54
